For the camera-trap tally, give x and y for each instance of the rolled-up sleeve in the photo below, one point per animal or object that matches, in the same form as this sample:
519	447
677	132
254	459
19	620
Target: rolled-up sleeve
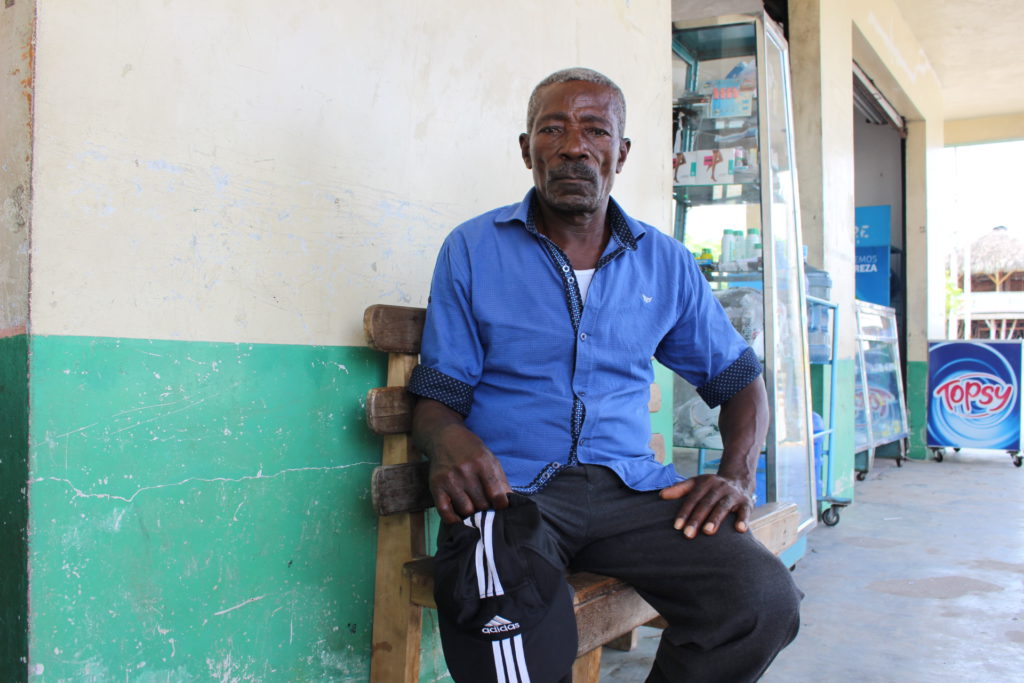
451	356
703	347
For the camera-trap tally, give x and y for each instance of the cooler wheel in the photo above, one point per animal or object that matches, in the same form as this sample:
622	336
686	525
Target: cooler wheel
830	516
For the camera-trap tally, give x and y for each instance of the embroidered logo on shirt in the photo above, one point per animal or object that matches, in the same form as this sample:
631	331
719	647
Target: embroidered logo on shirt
647	299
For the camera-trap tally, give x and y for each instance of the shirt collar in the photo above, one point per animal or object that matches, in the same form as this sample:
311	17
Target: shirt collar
625	229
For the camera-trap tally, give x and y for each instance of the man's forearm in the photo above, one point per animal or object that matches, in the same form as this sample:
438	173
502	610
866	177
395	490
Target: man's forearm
743	422
429	419
465	477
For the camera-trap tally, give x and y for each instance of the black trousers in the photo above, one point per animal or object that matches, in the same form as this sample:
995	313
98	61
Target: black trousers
731	605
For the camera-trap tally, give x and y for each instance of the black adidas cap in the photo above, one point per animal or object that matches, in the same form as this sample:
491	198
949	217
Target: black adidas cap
505	613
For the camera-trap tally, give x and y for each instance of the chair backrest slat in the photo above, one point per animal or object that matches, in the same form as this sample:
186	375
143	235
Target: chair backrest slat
394	329
389	410
401	488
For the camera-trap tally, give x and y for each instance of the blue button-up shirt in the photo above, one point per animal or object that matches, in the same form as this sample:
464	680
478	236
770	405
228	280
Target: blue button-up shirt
549	383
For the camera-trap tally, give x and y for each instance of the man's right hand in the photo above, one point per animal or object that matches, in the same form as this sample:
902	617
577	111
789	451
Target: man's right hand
465	477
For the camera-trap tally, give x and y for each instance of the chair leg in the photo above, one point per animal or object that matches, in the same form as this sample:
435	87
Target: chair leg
397	622
587	667
627	642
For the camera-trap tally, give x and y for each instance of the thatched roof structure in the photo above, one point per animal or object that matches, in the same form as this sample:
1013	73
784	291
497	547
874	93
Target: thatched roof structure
999	251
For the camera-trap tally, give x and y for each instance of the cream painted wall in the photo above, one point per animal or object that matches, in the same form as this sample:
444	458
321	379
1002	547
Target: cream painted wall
885	47
259	171
985	129
826	37
15	163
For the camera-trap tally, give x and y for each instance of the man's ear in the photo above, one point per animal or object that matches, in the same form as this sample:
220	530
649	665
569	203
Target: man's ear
624	145
524	147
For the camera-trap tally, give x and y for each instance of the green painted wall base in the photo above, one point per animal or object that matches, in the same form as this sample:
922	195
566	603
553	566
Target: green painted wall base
13	508
200	511
917	408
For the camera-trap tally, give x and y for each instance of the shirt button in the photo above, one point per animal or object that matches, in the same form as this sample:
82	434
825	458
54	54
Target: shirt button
583	336
583	441
582	394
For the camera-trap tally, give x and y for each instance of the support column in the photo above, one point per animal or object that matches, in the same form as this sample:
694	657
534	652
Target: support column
925	276
821	54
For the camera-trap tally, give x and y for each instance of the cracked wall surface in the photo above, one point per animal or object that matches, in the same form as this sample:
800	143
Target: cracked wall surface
16	89
200	510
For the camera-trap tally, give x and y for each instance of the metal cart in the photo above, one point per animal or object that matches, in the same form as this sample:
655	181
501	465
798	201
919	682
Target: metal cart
829	505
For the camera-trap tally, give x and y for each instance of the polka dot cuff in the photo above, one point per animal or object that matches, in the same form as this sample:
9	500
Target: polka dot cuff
431	383
728	383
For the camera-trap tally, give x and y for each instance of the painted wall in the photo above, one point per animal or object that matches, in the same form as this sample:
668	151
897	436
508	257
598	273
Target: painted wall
878	176
16	65
986	129
220	190
16	23
240	170
826	37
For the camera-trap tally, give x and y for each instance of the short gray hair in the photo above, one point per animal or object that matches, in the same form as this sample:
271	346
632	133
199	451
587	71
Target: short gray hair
578	74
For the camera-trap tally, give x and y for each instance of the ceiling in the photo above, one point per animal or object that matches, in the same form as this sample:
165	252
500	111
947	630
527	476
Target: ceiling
975	46
977	50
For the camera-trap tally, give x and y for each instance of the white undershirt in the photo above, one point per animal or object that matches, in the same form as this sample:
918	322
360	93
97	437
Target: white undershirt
583	278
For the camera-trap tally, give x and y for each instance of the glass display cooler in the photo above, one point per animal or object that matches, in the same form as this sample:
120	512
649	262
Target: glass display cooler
736	209
880	413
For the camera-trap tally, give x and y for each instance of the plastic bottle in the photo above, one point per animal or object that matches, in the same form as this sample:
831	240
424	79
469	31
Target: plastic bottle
728	250
752	241
739	248
706	260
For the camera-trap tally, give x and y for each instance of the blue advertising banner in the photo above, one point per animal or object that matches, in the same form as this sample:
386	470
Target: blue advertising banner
974	395
873	237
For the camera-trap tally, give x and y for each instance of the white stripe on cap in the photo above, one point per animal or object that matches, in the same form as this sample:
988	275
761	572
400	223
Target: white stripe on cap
488	582
499	665
481	578
510	665
510	660
524	675
496	587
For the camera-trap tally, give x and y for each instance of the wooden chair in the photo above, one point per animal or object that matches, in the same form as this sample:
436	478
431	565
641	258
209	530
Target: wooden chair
606	609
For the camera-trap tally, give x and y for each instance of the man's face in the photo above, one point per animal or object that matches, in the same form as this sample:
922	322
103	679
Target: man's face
575	146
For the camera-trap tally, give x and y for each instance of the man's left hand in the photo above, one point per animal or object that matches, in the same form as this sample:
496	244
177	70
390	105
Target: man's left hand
707	500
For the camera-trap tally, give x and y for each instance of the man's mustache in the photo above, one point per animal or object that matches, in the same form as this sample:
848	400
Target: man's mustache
575	170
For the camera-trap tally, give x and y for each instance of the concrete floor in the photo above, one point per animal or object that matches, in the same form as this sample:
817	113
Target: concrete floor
921	580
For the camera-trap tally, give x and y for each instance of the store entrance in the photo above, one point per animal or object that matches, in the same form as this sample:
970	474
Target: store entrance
879	166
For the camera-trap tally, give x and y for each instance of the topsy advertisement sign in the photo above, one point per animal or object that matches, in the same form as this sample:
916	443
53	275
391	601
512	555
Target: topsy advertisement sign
974	395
